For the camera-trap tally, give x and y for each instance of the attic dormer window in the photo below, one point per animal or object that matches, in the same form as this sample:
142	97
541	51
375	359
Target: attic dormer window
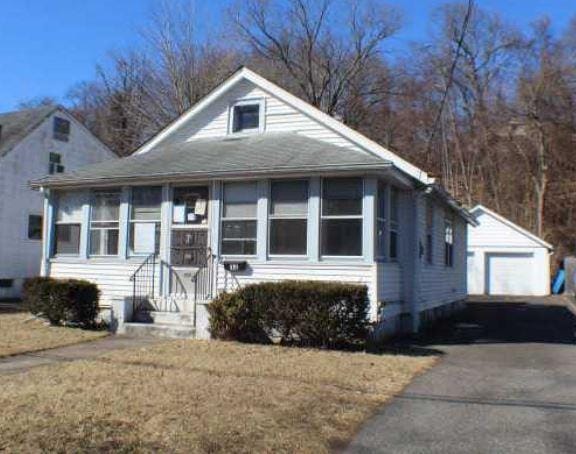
61	129
246	117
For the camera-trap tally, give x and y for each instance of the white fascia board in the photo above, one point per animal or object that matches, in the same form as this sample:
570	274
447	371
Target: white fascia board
510	224
302	106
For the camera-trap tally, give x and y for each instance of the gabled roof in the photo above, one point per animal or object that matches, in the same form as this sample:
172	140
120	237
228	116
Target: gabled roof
246	74
481	208
18	124
272	153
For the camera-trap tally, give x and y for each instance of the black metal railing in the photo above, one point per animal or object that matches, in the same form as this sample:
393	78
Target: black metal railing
144	286
203	278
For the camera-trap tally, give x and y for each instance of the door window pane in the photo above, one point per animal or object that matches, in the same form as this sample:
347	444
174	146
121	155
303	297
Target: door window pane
190	205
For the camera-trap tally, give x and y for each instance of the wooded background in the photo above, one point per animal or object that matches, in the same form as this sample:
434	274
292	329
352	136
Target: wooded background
485	107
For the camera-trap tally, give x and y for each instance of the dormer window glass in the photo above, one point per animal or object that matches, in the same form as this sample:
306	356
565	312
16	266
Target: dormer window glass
246	117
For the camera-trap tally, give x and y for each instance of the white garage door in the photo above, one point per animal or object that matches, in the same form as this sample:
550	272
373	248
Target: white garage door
509	274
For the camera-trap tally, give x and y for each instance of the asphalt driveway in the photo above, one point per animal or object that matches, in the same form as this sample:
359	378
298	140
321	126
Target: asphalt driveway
506	384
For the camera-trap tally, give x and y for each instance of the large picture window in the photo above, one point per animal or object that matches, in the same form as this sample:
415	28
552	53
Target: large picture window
341	220
288	217
68	222
145	220
239	219
104	222
394	221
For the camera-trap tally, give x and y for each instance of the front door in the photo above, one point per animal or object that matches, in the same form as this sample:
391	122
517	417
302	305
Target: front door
189	238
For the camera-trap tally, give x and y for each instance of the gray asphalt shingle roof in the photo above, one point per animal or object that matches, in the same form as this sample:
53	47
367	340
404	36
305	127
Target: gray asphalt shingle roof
17	125
264	153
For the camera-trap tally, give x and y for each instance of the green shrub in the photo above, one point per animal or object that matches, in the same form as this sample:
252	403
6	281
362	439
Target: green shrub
307	313
69	301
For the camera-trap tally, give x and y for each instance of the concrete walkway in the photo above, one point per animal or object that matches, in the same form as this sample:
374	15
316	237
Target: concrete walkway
85	350
506	384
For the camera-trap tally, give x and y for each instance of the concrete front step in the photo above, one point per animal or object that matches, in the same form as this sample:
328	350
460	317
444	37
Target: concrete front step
172	318
171	331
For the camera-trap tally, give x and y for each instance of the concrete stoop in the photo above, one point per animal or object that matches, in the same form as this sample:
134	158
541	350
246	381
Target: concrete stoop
173	325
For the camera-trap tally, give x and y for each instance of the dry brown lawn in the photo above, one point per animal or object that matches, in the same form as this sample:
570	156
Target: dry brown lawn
20	333
199	396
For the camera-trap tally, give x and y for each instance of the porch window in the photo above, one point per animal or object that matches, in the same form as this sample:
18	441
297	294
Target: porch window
430	232
288	217
104	223
341	220
239	219
381	220
448	241
68	222
145	220
394	220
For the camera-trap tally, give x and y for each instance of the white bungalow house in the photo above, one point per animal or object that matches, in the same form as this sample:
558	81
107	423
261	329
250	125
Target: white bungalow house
253	184
34	143
504	258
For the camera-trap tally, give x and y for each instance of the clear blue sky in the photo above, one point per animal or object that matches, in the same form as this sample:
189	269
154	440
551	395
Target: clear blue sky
47	46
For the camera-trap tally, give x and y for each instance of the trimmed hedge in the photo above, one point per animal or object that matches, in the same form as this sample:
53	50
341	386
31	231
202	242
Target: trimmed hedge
69	301
306	313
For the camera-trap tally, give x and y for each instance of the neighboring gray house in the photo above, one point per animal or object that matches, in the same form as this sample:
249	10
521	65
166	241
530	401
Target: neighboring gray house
253	184
34	143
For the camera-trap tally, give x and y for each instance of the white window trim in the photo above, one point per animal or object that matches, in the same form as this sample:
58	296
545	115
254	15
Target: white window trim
121	225
132	221
235	218
261	121
272	217
356	216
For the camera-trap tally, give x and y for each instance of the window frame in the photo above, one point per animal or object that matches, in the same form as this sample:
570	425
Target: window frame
247	102
323	217
132	222
60	135
55	165
449	240
430	211
238	219
394	224
53	249
30	215
91	228
381	221
272	217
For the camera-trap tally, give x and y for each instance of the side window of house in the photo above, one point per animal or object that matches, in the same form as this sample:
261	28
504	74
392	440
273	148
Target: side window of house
104	222
394	221
145	220
341	220
55	163
430	232
68	222
246	117
381	220
34	227
448	240
61	129
239	219
288	217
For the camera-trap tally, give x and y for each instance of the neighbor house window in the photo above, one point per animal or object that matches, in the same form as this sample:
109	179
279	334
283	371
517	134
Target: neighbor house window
381	220
104	222
68	222
246	116
394	221
34	227
145	220
341	223
6	283
239	218
61	129
448	241
430	232
288	217
55	163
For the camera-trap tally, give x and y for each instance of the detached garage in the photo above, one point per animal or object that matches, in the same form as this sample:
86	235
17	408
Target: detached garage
504	258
